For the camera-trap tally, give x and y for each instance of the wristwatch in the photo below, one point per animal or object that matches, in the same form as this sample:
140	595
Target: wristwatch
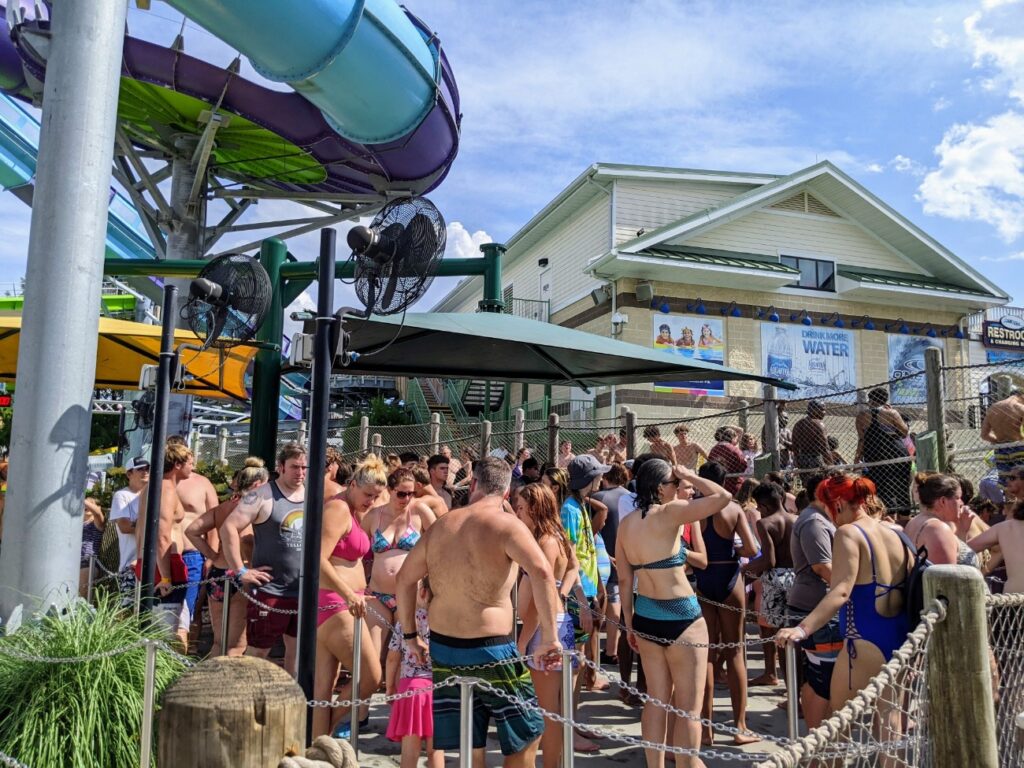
410	635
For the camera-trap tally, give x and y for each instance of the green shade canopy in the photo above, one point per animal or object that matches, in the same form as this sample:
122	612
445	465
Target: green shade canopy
488	345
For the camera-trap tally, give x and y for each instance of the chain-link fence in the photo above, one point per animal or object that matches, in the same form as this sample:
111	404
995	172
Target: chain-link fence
1006	641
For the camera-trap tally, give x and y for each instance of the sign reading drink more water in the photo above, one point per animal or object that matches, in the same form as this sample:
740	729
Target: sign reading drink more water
820	361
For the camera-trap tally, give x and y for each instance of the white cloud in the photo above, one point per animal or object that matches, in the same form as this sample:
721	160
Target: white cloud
463	244
874	168
996	35
904	164
1018	256
980	175
941	104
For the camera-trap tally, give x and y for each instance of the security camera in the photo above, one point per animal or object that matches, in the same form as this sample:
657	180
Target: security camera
619	321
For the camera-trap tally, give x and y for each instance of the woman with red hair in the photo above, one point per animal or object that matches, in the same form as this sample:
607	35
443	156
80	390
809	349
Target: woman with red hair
869	567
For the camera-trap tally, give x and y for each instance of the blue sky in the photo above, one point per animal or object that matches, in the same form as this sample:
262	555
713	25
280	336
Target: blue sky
923	102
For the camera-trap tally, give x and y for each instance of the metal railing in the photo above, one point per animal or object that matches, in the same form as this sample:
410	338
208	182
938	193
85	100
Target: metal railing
531	309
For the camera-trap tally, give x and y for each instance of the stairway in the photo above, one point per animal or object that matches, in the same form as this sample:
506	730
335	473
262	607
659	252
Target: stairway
475	397
435	405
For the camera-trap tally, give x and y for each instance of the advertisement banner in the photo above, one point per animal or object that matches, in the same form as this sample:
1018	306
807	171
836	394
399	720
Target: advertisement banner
820	361
694	337
1005	333
906	367
1000	356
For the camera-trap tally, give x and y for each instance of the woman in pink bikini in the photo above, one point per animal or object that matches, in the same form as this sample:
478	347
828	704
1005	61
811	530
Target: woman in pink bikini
393	529
342	584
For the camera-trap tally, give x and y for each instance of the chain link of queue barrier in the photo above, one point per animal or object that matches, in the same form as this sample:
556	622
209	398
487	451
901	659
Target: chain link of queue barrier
10	762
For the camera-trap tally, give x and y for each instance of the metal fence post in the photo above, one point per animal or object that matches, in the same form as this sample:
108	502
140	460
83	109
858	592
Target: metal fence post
465	724
364	433
302	435
792	693
630	434
222	445
485	438
552	437
520	430
435	433
224	617
91	579
568	753
771	426
375	443
963	727
148	695
744	416
193	440
936	398
357	658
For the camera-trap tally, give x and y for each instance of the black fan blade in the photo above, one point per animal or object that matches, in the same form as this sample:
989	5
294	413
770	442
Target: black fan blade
392	286
220	317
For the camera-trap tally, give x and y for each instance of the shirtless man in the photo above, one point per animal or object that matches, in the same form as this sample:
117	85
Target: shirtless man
454	465
197	496
686	453
275	512
170	542
472	555
425	493
1004	423
658	445
1009	534
437	468
334	462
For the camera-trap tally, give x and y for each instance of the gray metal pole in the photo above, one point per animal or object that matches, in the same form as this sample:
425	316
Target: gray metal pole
936	398
148	697
185	238
792	693
225	613
568	753
357	658
52	416
91	579
465	724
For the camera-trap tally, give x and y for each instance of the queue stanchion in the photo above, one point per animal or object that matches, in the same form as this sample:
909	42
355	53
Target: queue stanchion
568	754
466	723
138	594
792	692
357	658
90	579
225	610
148	696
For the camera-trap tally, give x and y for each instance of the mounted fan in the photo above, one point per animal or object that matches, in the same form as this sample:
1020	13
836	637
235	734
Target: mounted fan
228	301
397	255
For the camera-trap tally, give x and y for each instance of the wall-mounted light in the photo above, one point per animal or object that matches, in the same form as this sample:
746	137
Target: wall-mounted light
733	310
542	262
664	308
803	315
835	319
899	325
770	313
959	333
619	322
644	292
697	307
601	295
931	334
863	322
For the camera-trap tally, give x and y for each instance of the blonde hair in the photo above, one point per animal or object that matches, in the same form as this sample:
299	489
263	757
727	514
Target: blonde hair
253	473
175	454
370	471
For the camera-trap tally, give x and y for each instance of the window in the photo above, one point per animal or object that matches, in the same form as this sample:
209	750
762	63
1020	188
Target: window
815	274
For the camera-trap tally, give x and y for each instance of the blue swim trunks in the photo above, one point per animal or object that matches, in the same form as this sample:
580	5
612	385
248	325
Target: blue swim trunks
517	726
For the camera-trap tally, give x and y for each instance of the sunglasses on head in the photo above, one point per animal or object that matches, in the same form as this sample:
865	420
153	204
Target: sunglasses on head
404	494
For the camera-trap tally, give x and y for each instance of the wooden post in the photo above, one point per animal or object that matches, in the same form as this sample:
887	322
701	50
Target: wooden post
630	434
552	437
376	443
232	713
302	434
963	718
520	429
744	416
435	433
485	438
936	399
364	434
771	426
222	446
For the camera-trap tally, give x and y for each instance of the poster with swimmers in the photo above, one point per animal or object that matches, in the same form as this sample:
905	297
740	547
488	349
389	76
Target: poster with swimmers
822	362
695	337
906	367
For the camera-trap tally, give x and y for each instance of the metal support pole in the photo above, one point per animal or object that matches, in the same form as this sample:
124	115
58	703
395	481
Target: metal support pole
771	426
485	438
357	658
568	753
520	429
91	579
266	372
547	400
435	433
491	300
222	445
148	696
792	693
963	728
364	433
122	417
936	398
466	724
60	321
487	399
376	444
138	596
225	620
320	400
552	437
630	434
156	461
302	433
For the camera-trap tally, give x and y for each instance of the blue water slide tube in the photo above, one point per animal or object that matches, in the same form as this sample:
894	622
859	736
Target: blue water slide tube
362	63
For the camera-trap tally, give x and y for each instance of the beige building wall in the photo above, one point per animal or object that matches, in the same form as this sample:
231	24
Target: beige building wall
652	204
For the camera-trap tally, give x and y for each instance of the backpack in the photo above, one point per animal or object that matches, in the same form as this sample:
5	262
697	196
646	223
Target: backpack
913	585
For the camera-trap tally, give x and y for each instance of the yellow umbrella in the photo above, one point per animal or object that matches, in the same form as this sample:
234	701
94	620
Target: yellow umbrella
124	347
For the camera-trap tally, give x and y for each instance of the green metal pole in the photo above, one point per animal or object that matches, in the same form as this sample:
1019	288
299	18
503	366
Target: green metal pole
266	378
491	301
506	403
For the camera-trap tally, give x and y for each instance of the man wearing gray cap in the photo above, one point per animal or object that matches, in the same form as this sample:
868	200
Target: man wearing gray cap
124	512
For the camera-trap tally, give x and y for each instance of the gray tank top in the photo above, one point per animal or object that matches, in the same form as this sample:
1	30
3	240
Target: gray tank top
278	544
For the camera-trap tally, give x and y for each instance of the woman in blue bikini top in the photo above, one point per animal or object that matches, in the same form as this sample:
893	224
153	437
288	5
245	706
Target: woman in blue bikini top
870	564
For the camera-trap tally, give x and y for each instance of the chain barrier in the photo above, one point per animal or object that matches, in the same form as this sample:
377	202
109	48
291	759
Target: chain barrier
11	762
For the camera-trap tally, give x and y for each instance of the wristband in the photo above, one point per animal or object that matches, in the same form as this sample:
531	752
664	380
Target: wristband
241	572
803	630
410	635
165	580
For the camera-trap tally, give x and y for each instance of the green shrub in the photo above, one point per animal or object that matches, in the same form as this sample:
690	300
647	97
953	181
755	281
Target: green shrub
79	715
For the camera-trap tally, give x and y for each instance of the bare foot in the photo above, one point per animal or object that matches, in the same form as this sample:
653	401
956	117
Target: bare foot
745	738
707	737
765	679
580	744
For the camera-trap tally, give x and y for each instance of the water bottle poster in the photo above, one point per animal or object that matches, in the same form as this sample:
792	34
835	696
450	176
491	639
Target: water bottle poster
693	337
906	367
822	362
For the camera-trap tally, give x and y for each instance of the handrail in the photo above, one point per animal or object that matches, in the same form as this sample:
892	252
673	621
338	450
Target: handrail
417	402
453	397
531	309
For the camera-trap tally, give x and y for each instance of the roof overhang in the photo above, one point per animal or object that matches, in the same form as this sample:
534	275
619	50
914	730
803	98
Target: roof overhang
904	296
614	265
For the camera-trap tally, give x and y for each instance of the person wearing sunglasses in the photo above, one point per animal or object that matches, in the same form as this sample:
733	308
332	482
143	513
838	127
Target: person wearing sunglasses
393	528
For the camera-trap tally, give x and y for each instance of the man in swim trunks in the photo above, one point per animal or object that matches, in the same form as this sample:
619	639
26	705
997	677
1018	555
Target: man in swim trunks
472	555
275	511
1004	423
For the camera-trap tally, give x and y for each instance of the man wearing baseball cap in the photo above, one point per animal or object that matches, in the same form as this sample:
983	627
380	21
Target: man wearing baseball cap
124	512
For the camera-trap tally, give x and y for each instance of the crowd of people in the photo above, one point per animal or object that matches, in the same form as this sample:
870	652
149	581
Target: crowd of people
467	565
